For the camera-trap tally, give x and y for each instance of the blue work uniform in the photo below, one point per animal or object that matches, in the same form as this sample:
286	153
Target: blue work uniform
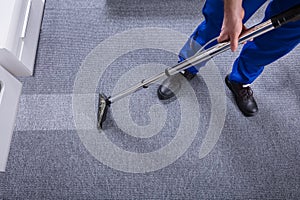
256	54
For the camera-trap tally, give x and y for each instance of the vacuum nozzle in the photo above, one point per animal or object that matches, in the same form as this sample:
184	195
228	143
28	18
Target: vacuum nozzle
103	105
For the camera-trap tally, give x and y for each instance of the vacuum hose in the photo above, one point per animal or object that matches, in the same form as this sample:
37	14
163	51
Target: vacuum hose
291	15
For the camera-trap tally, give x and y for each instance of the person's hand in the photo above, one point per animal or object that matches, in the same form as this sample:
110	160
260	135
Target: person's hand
232	23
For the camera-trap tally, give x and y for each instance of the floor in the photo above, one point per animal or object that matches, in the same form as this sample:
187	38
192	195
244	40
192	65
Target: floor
198	146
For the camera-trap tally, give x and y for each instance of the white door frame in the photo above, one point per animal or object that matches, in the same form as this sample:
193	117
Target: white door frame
9	100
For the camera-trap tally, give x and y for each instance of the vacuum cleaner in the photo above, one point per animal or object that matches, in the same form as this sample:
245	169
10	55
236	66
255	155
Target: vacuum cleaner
290	15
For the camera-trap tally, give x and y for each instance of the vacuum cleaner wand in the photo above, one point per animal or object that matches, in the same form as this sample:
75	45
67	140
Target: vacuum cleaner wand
293	14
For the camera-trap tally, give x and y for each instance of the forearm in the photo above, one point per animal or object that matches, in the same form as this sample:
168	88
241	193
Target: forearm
232	22
233	8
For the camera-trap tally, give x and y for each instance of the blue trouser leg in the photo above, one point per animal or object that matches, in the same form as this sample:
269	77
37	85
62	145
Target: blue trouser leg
211	27
267	48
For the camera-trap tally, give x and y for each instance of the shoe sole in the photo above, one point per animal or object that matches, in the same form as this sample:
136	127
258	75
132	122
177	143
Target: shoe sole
163	97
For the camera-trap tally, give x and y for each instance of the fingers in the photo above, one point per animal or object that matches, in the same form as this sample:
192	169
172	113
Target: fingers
233	37
244	32
244	28
233	40
223	37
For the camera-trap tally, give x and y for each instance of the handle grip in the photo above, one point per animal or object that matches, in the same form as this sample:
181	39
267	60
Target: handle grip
290	15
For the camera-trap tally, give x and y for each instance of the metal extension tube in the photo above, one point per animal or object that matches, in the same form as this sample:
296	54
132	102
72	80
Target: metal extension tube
196	59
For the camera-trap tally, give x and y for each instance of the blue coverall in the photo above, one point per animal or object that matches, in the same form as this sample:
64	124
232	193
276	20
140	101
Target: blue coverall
256	54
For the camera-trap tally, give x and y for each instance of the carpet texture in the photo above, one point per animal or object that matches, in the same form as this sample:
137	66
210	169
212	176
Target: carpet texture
203	148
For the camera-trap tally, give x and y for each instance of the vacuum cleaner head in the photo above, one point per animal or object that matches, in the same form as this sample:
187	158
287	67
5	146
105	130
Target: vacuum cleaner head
103	105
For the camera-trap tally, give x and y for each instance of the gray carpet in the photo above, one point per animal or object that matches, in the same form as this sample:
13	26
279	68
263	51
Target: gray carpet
56	155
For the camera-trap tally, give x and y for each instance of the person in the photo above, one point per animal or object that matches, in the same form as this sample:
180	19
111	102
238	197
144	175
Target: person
225	19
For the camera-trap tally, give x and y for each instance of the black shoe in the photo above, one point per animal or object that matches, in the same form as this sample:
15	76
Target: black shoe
172	85
243	97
